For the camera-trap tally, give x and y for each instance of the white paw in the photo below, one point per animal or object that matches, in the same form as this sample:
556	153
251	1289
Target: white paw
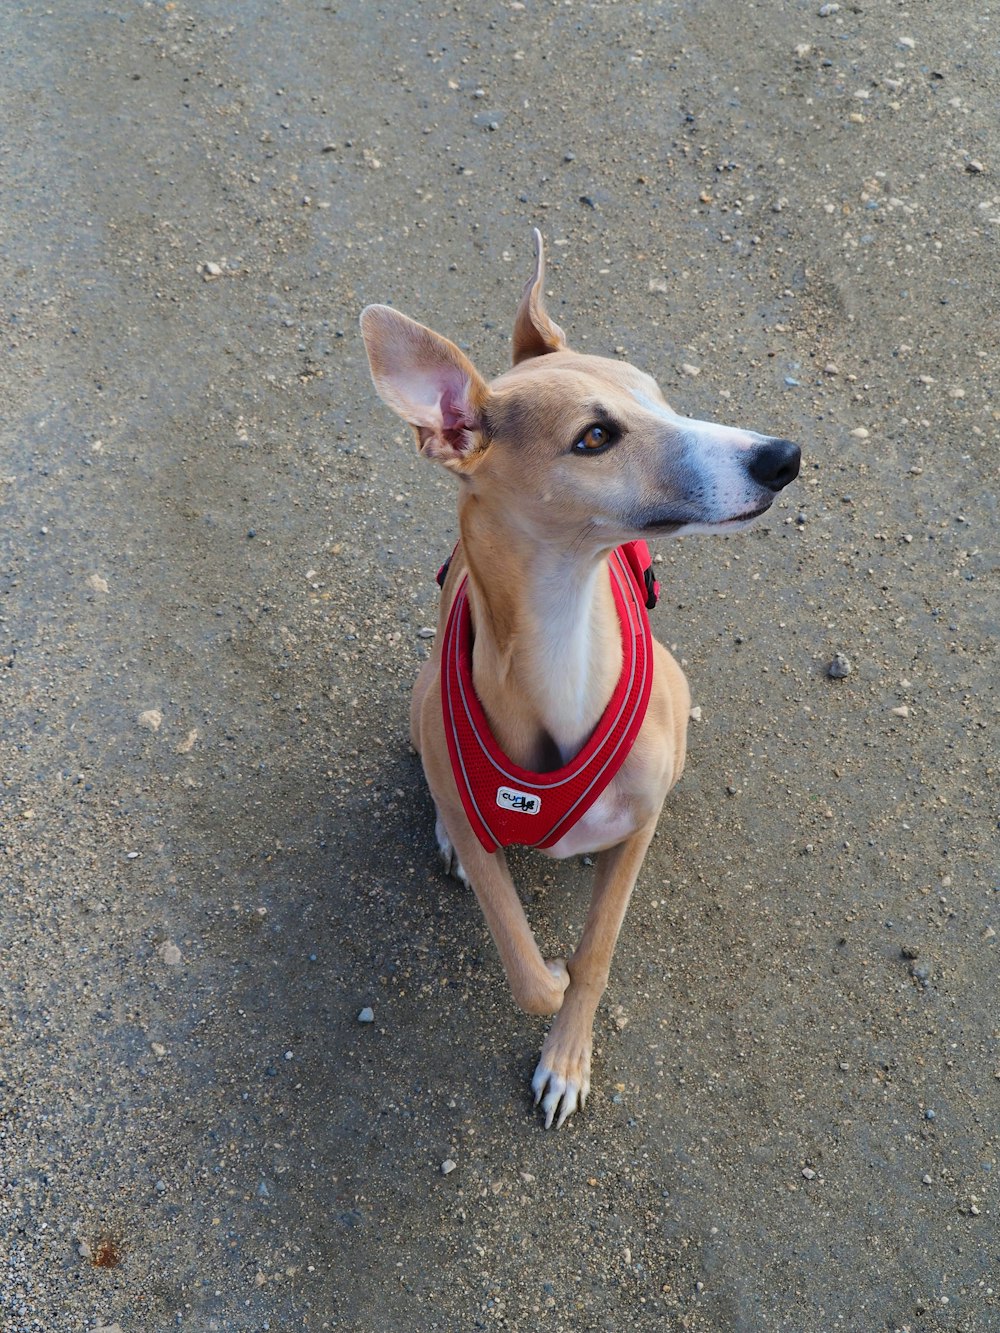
559	1096
452	865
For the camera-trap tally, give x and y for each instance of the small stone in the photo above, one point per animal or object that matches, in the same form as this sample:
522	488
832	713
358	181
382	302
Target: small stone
367	1015
158	1049
695	713
909	951
907	42
929	1114
921	972
151	719
974	168
211	271
901	711
839	667
927	1179
161	1187
802	50
448	1166
809	1173
826	10
97	583
426	632
169	953
860	433
688	369
831	368
187	744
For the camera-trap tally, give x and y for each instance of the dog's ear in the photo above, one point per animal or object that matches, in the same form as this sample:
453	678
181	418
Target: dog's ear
427	381
534	332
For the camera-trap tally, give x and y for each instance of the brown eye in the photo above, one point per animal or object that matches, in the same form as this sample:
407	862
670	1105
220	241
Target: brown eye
593	440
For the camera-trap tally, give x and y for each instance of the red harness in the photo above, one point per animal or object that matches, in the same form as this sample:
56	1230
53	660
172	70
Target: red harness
507	804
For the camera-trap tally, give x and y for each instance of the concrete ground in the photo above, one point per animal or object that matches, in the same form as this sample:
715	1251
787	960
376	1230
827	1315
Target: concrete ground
218	552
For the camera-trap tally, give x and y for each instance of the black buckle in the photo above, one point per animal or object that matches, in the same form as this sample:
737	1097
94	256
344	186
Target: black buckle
652	588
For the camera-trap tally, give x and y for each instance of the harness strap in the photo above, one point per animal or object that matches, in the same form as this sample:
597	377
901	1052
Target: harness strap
507	804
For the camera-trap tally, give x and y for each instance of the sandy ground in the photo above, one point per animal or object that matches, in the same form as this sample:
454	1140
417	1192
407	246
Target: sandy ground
218	552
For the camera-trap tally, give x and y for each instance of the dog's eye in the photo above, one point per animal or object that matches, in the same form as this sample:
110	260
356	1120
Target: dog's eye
594	440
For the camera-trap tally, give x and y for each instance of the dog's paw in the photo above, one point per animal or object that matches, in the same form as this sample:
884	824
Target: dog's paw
561	1082
449	857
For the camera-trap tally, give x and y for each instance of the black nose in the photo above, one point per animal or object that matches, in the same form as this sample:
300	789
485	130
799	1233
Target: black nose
775	463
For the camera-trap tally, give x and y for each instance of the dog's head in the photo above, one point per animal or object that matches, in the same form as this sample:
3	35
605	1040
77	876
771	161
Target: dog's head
570	444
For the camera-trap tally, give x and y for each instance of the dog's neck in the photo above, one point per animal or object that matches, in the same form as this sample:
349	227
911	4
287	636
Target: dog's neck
547	653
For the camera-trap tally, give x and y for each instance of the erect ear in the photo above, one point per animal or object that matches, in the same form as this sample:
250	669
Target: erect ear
534	332
427	381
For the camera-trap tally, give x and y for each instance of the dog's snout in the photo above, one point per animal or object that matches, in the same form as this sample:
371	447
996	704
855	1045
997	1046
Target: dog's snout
775	463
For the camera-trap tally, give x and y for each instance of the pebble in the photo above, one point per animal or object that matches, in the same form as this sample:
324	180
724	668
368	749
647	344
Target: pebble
97	583
860	433
448	1166
809	1173
974	168
927	1179
426	632
929	1114
187	744
688	369
839	667
170	953
901	711
695	713
211	271
909	951
367	1015
826	10
151	719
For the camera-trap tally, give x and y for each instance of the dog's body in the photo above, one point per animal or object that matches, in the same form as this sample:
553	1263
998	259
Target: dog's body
560	459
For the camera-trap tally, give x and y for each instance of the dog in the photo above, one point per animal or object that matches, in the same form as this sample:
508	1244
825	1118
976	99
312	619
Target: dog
565	464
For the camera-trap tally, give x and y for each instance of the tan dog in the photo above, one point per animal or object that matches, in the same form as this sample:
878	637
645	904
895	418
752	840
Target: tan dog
559	460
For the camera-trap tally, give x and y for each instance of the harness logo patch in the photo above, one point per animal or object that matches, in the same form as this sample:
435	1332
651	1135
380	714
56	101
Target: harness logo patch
520	801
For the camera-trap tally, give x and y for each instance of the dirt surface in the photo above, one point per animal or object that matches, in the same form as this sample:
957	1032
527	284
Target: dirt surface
218	553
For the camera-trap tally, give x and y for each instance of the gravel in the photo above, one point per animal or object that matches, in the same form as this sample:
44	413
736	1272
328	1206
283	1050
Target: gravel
182	369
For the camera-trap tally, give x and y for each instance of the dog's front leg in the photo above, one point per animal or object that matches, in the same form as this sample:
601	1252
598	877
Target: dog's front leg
537	983
562	1080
